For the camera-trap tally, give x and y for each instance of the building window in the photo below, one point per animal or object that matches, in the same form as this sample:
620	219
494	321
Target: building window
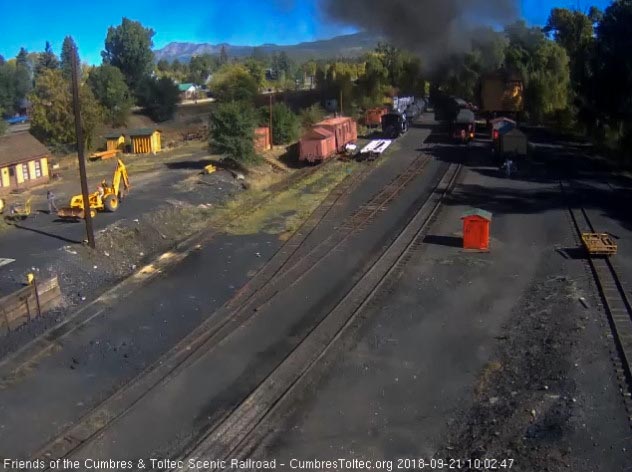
38	169
25	171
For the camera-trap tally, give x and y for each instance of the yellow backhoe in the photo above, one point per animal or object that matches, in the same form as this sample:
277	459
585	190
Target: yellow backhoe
106	198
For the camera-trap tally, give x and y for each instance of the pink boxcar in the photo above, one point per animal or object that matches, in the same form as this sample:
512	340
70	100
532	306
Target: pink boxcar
317	145
344	129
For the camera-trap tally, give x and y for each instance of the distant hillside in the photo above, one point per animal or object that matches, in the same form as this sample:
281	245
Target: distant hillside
352	45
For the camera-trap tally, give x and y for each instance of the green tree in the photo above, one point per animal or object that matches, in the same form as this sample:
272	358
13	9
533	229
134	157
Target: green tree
393	61
544	65
612	85
411	81
46	60
201	67
308	69
282	66
109	87
311	115
223	56
159	98
259	55
285	124
233	82
52	116
68	49
257	71
8	98
22	77
232	127
575	32
162	65
3	124
129	47
374	81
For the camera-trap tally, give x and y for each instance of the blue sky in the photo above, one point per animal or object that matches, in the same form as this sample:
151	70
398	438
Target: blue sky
30	23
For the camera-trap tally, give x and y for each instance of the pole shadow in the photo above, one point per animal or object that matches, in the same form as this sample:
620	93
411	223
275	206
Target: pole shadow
50	235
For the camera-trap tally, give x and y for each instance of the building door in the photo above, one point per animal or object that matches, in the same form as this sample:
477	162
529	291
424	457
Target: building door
13	179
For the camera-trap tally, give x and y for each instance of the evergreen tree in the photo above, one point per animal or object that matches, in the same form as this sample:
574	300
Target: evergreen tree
68	49
223	56
46	60
22	78
232	130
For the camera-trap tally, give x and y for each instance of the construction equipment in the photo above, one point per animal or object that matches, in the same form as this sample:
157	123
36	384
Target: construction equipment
599	244
104	154
209	169
106	198
19	212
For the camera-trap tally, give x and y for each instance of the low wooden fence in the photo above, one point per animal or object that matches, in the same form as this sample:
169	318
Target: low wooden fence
27	303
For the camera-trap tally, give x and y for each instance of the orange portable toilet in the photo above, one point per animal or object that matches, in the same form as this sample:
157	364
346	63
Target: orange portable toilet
476	225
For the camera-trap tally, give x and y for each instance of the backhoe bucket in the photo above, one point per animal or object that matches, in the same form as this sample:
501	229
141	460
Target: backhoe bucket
73	213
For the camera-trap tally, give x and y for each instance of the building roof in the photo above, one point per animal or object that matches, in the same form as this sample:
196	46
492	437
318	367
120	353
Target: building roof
141	132
114	135
185	87
478	212
20	147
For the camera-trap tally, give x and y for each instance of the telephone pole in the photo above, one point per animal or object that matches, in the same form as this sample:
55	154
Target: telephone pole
271	140
80	151
341	110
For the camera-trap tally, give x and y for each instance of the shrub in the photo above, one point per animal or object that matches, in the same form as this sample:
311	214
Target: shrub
232	128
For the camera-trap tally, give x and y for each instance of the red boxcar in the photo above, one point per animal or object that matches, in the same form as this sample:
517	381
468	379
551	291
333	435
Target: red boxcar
373	116
344	129
317	145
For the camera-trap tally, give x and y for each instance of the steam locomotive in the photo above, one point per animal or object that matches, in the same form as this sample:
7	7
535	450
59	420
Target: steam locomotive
405	110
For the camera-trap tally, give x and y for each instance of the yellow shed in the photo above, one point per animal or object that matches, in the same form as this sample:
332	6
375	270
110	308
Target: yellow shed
23	162
114	141
145	140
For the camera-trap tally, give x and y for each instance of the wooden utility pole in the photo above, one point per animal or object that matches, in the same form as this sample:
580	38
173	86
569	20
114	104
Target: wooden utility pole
271	140
341	112
80	149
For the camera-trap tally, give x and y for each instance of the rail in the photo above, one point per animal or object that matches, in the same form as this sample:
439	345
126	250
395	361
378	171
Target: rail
611	290
230	438
292	263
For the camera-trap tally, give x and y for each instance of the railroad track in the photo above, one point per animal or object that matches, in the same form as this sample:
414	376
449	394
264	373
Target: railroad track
13	365
614	297
232	436
283	272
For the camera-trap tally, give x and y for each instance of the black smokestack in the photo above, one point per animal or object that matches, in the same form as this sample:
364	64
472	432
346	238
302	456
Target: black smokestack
434	29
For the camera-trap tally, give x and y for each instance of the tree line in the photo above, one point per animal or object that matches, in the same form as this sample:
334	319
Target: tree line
41	81
577	71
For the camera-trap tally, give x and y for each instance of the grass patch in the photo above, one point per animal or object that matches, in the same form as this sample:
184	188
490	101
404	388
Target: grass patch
4	226
285	211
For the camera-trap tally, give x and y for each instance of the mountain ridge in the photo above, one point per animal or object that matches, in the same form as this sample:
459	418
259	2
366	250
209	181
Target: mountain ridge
350	45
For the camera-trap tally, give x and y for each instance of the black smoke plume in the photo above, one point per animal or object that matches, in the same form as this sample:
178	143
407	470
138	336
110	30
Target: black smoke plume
434	29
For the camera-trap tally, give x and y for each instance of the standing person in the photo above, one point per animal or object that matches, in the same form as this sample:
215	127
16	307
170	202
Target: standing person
509	167
50	197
